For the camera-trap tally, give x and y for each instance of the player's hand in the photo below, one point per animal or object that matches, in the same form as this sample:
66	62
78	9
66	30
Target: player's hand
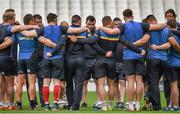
143	52
154	47
73	39
48	54
87	30
35	27
16	23
109	54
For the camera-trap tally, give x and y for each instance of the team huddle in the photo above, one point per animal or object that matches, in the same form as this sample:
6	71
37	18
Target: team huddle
134	53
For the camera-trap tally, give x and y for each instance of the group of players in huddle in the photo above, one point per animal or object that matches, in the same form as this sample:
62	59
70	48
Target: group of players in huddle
134	53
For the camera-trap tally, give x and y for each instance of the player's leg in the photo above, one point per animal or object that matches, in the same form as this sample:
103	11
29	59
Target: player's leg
20	82
32	74
153	71
121	84
102	92
122	89
110	93
117	92
57	74
129	69
78	80
111	75
46	82
69	74
84	95
138	91
101	78
2	92
172	76
10	92
140	71
89	67
40	83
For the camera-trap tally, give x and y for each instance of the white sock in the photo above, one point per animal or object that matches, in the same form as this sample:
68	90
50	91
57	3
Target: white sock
1	103
131	105
137	105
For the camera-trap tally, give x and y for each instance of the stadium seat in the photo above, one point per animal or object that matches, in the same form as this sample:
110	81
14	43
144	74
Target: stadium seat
169	4
146	8
99	12
63	10
51	6
121	5
3	6
74	7
17	7
135	6
177	2
110	8
27	6
158	10
39	8
86	9
66	8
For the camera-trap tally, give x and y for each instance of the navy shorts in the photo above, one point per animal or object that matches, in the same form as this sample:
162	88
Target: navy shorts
90	68
28	66
120	75
8	66
172	73
105	67
53	68
134	67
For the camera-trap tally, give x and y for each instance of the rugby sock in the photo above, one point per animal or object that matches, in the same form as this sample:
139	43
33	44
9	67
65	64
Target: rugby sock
56	93
1	103
19	103
45	91
131	107
32	104
137	105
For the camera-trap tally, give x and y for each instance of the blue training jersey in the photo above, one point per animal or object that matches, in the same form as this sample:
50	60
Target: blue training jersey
158	38
54	33
132	32
5	30
26	46
174	56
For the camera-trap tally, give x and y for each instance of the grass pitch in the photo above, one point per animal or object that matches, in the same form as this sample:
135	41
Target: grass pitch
91	99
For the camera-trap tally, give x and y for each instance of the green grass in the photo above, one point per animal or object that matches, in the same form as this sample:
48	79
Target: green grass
91	99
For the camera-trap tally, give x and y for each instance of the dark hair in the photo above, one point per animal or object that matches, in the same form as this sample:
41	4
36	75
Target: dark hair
150	18
27	18
171	23
51	17
9	10
75	19
144	20
116	19
106	20
127	13
37	16
90	18
7	16
170	11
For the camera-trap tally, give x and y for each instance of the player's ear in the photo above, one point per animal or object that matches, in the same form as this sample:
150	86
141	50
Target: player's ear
124	19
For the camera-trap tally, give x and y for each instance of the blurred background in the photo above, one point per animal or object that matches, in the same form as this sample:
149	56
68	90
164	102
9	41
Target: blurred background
98	8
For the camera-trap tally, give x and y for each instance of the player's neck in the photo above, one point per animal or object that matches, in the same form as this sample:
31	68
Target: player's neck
51	23
6	23
128	19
